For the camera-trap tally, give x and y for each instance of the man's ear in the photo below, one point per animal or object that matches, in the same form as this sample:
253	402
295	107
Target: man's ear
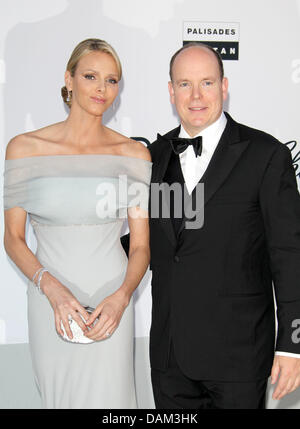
171	92
225	88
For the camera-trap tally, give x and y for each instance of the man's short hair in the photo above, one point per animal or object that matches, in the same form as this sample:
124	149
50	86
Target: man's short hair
188	45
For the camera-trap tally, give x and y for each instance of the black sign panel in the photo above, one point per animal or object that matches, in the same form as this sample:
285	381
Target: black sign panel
227	50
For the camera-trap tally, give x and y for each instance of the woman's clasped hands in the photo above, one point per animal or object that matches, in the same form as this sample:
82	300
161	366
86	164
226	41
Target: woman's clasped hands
98	325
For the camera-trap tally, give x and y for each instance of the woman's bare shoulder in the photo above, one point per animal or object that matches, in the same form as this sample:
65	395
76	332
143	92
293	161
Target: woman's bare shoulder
20	146
138	150
128	147
29	144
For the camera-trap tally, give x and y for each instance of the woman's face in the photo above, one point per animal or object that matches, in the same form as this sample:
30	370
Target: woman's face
94	85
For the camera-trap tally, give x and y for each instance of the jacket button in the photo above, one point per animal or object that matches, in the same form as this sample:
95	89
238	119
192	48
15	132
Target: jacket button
176	258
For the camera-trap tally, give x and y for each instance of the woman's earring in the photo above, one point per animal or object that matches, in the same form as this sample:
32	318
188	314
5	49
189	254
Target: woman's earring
69	97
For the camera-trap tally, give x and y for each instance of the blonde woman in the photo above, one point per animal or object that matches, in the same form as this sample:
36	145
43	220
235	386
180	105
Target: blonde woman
80	311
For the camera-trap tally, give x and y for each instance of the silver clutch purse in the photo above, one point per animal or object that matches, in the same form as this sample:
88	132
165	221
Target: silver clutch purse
78	335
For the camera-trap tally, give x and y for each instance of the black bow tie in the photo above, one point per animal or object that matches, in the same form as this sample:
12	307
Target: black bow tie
179	145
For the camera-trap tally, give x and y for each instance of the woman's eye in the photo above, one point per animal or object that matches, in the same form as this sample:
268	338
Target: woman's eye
89	76
112	81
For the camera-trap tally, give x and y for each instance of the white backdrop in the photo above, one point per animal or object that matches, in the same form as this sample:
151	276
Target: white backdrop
36	40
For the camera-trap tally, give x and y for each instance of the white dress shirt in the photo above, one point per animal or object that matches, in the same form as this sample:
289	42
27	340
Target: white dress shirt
194	167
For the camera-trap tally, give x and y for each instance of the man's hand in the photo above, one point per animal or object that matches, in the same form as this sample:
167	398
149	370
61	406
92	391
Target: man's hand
289	379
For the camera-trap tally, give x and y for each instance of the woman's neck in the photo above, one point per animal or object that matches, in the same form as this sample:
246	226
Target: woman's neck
82	129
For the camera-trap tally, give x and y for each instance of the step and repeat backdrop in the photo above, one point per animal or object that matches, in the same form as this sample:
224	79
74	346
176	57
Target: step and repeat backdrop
258	40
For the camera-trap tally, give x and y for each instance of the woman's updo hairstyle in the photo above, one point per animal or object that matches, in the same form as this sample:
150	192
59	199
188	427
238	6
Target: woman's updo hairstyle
84	48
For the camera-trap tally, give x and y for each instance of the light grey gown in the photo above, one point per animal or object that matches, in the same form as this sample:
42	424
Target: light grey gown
77	205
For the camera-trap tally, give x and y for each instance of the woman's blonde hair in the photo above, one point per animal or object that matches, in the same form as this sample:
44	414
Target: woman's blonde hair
84	48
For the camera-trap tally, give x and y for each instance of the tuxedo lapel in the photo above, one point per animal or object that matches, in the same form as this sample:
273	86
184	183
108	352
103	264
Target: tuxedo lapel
226	155
165	154
158	177
224	159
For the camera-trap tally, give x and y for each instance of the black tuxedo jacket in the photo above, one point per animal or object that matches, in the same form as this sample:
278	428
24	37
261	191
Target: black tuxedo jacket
212	287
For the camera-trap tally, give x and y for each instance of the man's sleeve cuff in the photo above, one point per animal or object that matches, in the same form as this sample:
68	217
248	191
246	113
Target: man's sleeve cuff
288	354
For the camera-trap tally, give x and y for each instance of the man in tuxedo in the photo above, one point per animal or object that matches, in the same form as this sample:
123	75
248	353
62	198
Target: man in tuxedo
212	339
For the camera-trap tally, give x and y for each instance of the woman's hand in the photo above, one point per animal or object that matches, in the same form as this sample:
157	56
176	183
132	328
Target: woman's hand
110	310
64	305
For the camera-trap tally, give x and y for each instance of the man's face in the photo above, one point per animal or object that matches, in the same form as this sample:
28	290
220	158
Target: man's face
196	89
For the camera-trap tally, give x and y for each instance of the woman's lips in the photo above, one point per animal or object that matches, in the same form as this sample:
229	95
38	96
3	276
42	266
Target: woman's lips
98	100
